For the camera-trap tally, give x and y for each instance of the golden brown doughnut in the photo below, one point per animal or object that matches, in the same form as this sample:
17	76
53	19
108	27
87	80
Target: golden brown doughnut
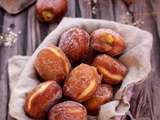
75	43
68	110
41	98
113	71
82	83
103	95
52	64
51	10
107	41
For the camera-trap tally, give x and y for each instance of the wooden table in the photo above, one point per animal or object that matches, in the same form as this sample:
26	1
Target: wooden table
144	13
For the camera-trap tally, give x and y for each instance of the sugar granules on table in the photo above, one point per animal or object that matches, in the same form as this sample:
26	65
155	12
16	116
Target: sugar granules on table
9	38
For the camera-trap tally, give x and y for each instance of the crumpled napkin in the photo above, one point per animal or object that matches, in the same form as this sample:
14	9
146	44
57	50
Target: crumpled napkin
136	57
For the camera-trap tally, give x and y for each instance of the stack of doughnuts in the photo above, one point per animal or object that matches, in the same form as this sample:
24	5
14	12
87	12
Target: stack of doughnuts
74	85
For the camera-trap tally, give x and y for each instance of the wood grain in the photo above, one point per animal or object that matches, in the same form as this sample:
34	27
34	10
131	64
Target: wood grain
104	9
32	31
85	8
144	103
121	13
15	6
5	53
71	8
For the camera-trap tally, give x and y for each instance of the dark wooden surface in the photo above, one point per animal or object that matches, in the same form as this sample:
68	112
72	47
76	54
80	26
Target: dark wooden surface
143	13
